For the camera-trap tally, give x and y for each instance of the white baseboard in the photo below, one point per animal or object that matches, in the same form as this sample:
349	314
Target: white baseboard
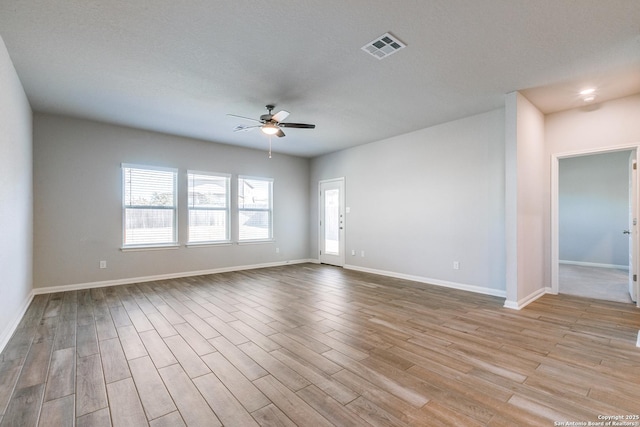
522	303
131	280
7	333
594	264
427	280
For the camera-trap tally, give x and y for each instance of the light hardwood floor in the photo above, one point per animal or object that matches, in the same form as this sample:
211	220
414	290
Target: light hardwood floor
314	345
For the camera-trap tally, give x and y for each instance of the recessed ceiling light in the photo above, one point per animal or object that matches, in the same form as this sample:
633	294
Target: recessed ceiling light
588	91
589	98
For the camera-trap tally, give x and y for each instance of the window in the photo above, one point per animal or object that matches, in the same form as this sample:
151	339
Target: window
255	209
149	206
208	207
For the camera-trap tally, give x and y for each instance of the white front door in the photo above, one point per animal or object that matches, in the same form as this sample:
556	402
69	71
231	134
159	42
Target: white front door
332	222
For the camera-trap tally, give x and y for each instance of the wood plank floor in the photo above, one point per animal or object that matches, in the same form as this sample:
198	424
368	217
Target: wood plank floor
313	345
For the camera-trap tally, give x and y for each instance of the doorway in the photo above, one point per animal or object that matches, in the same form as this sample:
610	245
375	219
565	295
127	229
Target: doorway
594	236
332	225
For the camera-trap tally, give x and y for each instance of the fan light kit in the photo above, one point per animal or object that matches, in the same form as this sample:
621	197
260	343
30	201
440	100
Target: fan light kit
269	129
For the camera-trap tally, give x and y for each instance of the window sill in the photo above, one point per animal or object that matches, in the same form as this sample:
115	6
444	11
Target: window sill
149	248
208	244
256	242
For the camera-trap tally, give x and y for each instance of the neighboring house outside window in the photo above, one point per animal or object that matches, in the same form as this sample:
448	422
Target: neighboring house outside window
208	203
149	206
255	209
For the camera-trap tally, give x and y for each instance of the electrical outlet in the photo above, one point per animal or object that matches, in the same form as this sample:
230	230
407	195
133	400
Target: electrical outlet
362	254
353	252
456	265
103	264
277	250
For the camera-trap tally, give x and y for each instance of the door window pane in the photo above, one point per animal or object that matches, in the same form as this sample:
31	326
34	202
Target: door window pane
332	222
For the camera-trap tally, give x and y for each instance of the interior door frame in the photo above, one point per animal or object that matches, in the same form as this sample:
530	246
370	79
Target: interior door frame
634	285
341	259
555	190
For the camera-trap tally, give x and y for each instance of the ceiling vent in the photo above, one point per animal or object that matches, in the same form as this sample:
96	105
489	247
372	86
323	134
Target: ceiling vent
383	46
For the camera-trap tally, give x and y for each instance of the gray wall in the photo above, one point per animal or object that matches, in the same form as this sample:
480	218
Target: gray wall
16	198
594	208
78	202
423	200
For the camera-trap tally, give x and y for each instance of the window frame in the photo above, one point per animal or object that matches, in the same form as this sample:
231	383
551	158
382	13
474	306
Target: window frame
227	209
239	210
142	246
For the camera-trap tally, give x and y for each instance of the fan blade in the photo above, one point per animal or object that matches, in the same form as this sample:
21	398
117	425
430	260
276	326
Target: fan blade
242	128
280	115
244	118
297	125
279	134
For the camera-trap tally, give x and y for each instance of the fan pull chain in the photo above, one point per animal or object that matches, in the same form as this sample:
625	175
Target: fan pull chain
269	146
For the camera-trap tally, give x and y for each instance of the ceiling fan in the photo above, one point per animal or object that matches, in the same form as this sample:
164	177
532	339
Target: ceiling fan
271	124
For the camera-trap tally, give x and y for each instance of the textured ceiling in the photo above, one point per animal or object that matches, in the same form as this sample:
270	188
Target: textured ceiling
180	67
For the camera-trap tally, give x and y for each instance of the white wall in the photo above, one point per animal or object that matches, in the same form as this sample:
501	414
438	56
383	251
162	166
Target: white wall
594	209
423	200
606	125
78	202
16	198
526	201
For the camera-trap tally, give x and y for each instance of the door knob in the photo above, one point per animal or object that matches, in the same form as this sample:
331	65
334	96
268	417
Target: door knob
626	232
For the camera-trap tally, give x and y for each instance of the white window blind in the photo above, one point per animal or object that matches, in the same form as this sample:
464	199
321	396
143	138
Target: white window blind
208	207
149	205
255	209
